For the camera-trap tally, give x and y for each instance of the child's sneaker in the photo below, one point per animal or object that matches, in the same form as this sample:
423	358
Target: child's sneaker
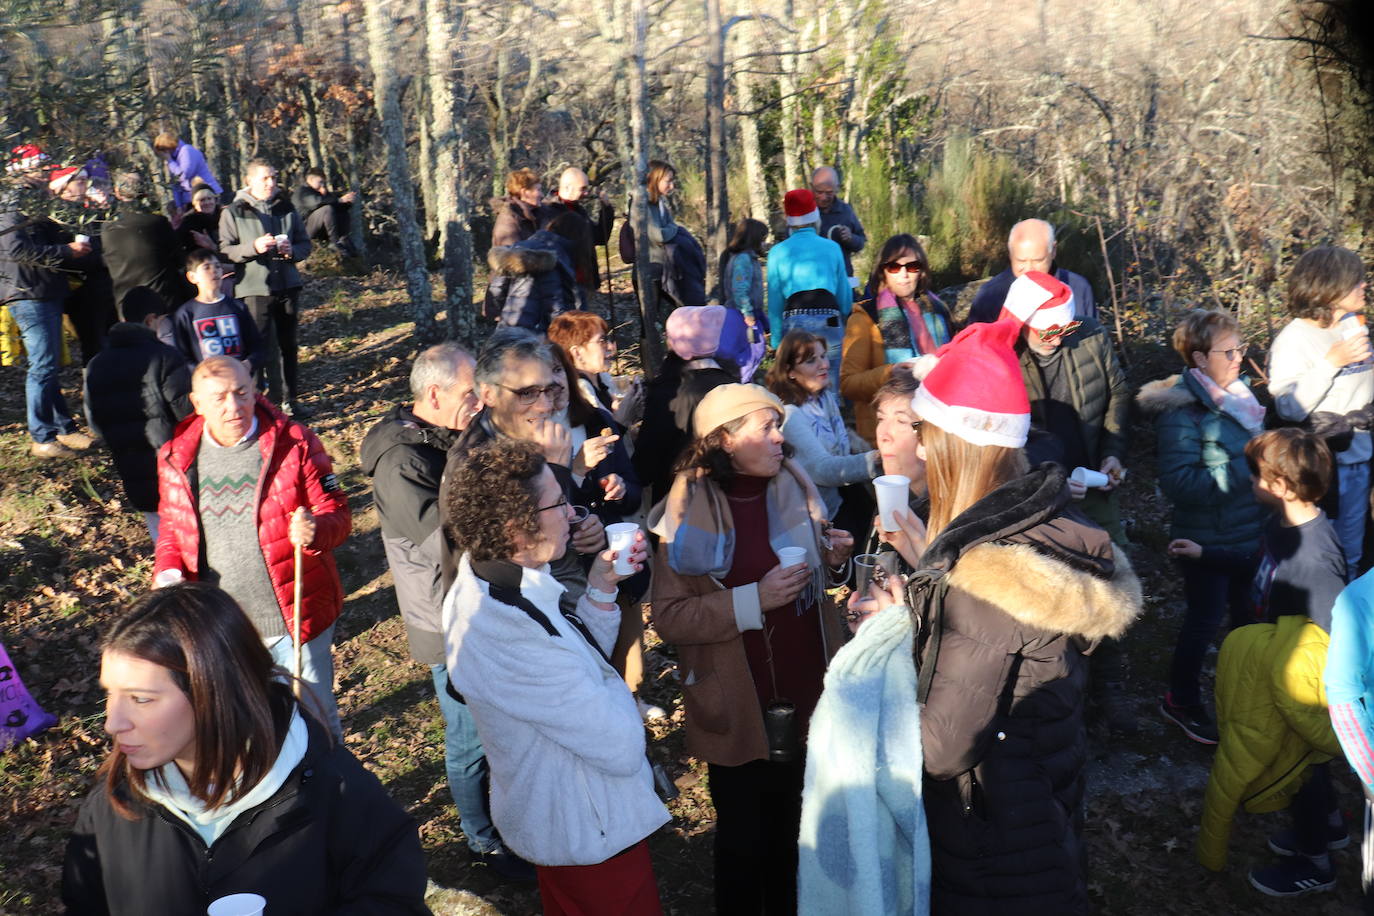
1292	877
1194	721
1285	842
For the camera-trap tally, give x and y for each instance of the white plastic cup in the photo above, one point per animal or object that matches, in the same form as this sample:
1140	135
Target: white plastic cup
892	490
238	905
1089	478
282	239
1350	325
791	556
621	537
83	239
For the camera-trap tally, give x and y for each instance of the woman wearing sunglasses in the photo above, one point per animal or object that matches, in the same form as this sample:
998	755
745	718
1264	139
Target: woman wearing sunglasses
1205	417
900	321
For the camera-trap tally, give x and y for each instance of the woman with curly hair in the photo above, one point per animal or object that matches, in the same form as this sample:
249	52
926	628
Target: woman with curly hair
220	781
753	635
571	787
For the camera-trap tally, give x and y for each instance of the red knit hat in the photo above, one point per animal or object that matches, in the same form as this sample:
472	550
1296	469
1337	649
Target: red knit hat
24	157
976	391
800	207
1039	300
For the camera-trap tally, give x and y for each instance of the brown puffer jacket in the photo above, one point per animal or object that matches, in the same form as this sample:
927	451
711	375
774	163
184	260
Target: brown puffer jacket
1033	585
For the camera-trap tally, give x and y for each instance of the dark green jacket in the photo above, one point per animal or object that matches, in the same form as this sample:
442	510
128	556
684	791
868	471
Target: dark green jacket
1201	466
1100	396
245	220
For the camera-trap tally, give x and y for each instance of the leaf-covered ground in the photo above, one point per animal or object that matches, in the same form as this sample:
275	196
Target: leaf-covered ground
72	555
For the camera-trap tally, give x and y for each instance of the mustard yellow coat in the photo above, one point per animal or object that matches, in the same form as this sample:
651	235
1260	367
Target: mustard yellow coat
1273	722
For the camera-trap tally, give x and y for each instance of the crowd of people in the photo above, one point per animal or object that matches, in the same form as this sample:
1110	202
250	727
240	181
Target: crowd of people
892	567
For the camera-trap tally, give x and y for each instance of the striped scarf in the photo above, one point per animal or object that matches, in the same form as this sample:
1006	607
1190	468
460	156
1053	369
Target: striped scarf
907	329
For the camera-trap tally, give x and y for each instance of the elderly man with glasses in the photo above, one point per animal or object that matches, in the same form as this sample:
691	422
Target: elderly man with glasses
522	391
1079	408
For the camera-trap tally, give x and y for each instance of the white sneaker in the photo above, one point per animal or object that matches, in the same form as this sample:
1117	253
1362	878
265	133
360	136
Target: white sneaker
649	712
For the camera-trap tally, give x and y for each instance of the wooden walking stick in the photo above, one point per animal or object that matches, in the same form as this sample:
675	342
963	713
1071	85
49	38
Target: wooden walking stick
296	624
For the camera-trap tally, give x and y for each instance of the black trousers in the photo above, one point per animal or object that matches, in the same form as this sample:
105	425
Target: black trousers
328	222
275	316
758	820
91	307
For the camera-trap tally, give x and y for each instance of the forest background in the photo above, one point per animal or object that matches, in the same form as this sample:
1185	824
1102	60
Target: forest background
1188	153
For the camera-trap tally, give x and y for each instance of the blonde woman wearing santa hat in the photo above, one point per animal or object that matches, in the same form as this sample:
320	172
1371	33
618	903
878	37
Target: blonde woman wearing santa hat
745	556
1013	588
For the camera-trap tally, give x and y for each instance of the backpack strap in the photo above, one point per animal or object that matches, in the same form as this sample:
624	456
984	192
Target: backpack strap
925	594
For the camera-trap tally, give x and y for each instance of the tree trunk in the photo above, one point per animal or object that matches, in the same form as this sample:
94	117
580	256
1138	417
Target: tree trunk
717	190
756	178
639	214
243	144
791	116
314	148
355	182
386	96
444	27
425	153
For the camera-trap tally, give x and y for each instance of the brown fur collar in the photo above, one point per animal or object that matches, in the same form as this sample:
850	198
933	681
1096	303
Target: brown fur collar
1039	590
513	261
1163	395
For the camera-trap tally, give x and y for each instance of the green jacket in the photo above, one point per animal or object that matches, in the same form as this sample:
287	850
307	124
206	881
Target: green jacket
1273	722
1100	396
241	223
1201	465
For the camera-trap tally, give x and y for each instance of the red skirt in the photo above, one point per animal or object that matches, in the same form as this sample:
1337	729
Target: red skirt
623	885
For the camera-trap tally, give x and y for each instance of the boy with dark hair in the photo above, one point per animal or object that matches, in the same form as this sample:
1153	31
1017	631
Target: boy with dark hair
137	390
1271	708
211	324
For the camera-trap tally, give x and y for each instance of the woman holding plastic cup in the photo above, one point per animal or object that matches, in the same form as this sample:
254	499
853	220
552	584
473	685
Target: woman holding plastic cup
838	462
220	782
753	627
571	788
1010	593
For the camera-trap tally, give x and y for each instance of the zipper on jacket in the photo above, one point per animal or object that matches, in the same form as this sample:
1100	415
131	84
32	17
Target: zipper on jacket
587	791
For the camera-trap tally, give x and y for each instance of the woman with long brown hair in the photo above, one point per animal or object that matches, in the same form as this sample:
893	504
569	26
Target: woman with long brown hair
676	258
1012	588
220	782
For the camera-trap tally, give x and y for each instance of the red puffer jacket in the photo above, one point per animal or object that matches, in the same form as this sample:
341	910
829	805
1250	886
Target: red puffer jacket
296	472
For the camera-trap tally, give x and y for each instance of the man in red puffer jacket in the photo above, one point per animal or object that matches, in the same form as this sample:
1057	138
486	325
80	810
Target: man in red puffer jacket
239	486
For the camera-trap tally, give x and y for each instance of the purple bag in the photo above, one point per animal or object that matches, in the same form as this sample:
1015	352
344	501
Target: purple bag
20	714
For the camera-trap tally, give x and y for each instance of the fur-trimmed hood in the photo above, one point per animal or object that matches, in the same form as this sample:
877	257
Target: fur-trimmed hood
1165	394
1023	549
1046	592
515	261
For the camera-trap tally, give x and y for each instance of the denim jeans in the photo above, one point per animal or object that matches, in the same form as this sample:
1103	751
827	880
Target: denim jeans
825	324
466	764
1352	481
317	671
40	325
1209	590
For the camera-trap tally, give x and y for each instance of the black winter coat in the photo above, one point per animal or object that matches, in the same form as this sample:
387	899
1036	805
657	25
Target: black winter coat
669	401
531	282
330	840
35	262
142	249
137	390
1033	585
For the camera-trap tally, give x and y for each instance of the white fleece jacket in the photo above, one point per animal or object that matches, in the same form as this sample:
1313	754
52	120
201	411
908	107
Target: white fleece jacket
570	784
1303	382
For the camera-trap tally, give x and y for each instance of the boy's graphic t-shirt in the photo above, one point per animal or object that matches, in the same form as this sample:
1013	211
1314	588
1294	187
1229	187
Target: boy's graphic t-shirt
219	335
204	329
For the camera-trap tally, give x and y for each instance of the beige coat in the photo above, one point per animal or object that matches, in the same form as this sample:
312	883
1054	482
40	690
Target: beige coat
697	615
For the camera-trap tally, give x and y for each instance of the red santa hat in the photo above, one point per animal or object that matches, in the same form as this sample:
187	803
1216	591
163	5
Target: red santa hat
800	207
58	177
25	157
975	391
1039	300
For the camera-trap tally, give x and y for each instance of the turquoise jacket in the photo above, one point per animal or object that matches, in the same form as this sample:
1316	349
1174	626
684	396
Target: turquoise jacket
805	261
1201	466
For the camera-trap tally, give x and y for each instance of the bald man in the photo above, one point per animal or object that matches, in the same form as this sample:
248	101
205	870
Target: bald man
573	191
240	486
838	222
1030	247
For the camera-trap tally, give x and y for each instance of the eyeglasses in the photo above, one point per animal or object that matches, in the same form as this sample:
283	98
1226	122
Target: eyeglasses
916	427
1058	330
533	393
1234	353
911	267
558	505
